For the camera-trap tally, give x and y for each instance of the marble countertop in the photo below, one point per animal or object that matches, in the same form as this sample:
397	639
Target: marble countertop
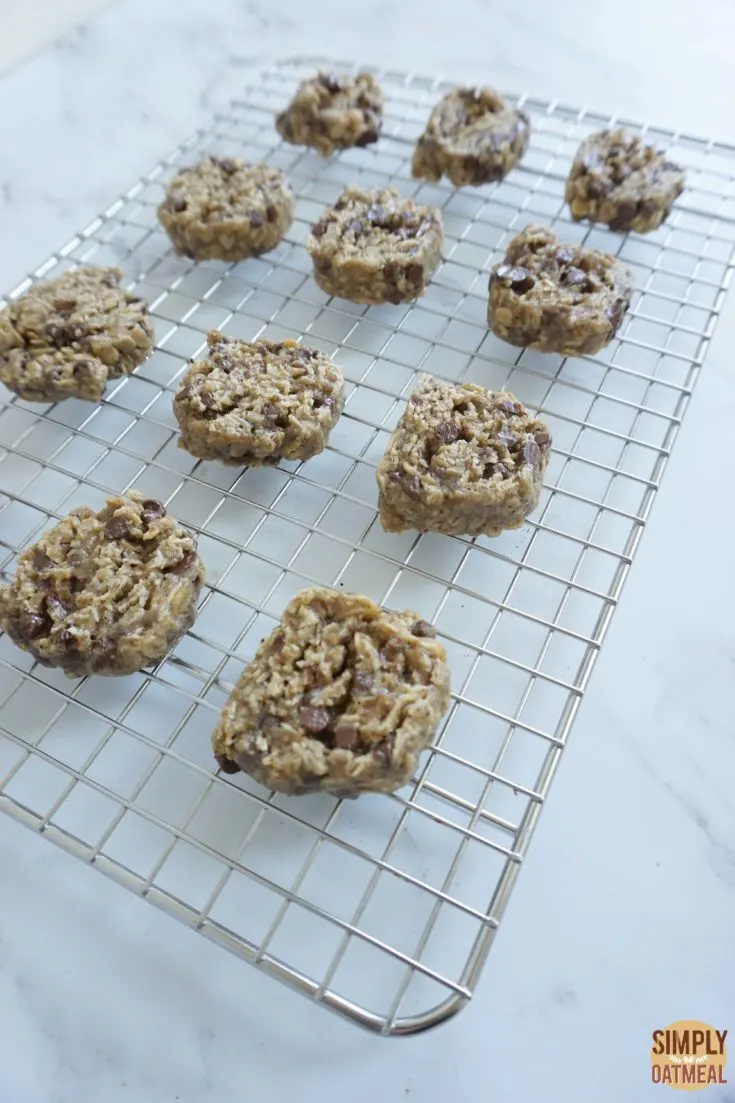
622	920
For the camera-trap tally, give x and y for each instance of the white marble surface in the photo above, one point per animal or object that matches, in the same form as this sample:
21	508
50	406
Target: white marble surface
622	919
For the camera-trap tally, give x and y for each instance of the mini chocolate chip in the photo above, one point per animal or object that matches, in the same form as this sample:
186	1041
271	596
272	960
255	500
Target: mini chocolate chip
41	561
346	736
490	470
362	681
542	439
177	203
314	719
226	765
382	753
256	219
31	625
509	407
207	398
185	392
117	528
152	510
60	334
519	278
447	432
510	440
423	628
410	485
531	453
186	561
271	212
319	228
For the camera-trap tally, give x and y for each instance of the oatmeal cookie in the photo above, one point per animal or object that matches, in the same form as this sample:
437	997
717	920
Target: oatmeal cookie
619	180
556	297
254	404
67	337
342	697
226	209
373	246
473	136
107	592
332	112
462	461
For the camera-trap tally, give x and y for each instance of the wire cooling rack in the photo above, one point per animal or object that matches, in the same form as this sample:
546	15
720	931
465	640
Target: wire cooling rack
384	908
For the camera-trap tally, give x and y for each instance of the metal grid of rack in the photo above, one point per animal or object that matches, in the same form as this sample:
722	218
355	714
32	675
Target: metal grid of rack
383	909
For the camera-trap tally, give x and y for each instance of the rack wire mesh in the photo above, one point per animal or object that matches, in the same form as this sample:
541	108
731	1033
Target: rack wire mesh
383	909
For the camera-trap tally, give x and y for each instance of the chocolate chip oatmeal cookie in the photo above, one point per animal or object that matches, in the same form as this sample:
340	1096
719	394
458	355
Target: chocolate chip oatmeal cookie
462	460
254	404
67	337
619	180
473	136
342	697
373	246
333	112
555	297
107	592
226	209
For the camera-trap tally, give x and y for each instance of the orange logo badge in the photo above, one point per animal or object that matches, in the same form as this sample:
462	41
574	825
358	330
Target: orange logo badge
688	1055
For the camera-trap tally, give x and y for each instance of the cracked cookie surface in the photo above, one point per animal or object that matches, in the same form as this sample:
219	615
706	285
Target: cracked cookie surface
557	297
619	180
226	209
473	136
105	592
67	337
331	112
342	697
250	404
462	461
374	246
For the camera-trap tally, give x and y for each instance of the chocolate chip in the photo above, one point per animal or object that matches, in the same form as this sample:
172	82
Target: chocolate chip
117	528
424	629
152	510
355	227
531	453
267	720
377	214
490	470
414	273
271	212
67	640
382	753
565	254
227	164
185	562
519	278
592	161
362	681
56	607
256	219
331	83
510	440
177	203
226	765
542	439
31	625
41	561
509	407
61	334
314	719
615	312
575	277
367	138
83	369
410	484
447	432
346	736
319	228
